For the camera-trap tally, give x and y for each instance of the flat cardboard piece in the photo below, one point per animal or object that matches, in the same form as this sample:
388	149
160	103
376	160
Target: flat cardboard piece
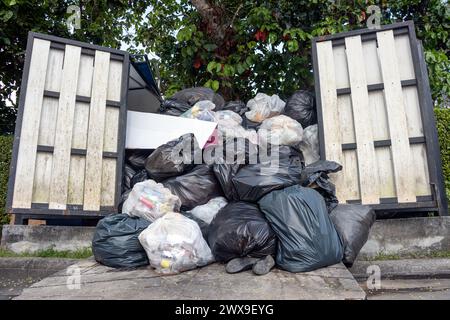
150	130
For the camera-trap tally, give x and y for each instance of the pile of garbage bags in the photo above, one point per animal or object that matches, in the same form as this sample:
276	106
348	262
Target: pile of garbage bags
259	193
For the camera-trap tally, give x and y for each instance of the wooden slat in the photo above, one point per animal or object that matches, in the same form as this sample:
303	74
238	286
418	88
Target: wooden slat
42	177
111	129
93	177
421	173
80	125
26	157
367	166
340	65
64	125
346	117
108	182
371	62
333	146
404	57
115	80
84	84
398	127
54	70
377	110
413	117
349	189
47	125
76	180
385	172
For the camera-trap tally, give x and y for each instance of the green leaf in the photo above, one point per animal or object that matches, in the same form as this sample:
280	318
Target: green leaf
208	84
6	15
210	47
272	37
240	68
211	66
292	45
215	85
218	67
251	44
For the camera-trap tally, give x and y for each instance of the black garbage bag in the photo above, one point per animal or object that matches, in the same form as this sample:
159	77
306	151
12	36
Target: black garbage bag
196	94
139	177
301	107
353	223
253	181
236	106
173	158
194	188
172	107
123	198
224	174
316	176
307	238
204	227
128	174
238	230
136	157
116	244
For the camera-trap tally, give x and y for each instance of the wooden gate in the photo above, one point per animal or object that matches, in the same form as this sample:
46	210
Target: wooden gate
70	130
376	118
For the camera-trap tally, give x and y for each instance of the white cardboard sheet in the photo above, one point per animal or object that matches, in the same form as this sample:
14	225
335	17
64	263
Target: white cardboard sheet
150	130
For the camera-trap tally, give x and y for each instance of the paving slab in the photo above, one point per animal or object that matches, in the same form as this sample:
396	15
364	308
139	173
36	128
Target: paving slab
210	282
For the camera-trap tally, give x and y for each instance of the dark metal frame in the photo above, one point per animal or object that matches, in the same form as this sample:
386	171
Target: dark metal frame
438	201
41	211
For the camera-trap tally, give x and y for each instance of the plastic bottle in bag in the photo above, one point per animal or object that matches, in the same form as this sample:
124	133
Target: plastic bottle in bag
174	244
150	200
208	211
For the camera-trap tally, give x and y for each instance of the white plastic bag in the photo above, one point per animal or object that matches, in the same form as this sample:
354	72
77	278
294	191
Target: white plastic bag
174	244
280	130
310	144
263	107
202	110
208	211
228	118
150	200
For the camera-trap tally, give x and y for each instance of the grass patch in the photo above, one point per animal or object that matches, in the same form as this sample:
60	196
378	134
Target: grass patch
49	253
427	255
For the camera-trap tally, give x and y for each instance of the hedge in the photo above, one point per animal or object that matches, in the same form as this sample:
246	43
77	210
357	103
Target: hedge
443	126
5	158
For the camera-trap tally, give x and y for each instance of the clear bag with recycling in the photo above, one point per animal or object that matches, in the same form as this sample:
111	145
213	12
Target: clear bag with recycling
228	118
208	211
150	200
202	110
263	107
280	130
310	144
174	243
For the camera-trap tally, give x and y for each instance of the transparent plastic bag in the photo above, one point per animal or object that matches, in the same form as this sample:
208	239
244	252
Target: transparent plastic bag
263	106
202	110
228	118
310	144
150	200
208	211
174	244
280	130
